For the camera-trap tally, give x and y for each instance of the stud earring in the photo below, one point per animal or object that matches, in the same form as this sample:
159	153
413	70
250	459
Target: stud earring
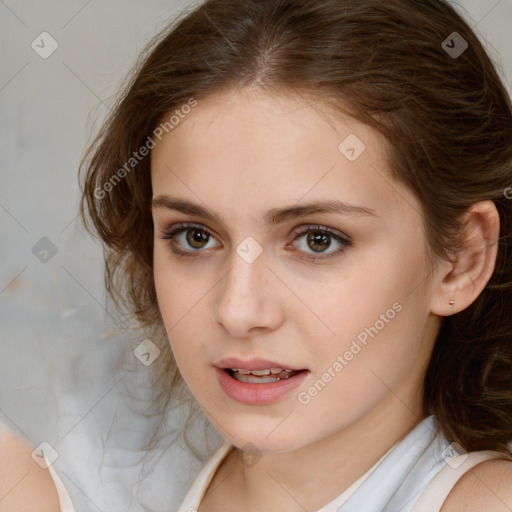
452	302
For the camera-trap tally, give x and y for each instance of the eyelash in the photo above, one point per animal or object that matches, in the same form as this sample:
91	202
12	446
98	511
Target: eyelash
183	227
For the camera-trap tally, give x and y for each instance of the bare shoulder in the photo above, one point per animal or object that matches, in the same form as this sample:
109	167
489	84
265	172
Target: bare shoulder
487	486
24	485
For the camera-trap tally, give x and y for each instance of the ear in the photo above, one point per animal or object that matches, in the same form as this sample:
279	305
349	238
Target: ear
463	279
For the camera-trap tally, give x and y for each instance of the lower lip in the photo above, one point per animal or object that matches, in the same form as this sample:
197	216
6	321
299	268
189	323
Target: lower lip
258	394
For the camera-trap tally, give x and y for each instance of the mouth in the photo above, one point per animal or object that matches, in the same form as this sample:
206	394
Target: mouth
258	381
264	376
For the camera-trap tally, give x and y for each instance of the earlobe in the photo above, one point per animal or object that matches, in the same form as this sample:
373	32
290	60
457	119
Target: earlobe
458	283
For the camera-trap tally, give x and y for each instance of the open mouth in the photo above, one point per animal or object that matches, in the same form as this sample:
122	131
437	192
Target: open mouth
258	381
261	376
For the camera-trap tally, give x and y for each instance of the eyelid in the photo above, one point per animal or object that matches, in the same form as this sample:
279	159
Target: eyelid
174	230
183	226
306	228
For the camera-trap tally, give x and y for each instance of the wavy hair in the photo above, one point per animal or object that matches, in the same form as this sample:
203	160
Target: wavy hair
392	65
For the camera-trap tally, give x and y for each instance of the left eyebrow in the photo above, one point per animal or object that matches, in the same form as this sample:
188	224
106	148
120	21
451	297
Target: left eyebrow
273	216
278	215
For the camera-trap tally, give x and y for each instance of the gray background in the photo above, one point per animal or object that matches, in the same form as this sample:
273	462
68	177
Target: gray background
61	362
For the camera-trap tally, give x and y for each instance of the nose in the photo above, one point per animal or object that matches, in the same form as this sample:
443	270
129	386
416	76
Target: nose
247	302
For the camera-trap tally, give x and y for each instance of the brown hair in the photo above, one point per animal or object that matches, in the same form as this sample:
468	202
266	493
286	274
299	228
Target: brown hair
447	119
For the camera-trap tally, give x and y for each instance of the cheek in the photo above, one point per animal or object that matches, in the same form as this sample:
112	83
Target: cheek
184	339
182	300
178	289
379	298
168	288
377	344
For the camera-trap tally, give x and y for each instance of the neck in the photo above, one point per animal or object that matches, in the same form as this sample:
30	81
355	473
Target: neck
291	481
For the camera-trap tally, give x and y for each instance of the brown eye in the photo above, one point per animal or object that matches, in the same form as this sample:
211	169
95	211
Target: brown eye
318	241
321	242
186	239
197	238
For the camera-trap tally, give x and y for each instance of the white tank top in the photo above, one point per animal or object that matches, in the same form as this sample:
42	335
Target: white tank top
415	475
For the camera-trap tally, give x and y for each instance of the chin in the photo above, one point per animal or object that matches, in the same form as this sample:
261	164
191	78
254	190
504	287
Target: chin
263	436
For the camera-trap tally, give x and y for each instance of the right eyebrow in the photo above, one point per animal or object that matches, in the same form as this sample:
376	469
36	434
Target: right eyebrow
184	206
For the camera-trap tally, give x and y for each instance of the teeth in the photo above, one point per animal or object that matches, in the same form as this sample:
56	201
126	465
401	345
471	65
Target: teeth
243	372
265	379
261	373
262	376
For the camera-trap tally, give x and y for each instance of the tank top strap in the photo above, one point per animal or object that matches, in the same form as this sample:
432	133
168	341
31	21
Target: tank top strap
66	505
435	493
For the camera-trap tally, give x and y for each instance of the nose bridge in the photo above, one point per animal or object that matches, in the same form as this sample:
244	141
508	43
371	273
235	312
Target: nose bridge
244	283
244	272
244	301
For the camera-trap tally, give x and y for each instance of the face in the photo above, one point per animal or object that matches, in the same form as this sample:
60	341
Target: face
284	247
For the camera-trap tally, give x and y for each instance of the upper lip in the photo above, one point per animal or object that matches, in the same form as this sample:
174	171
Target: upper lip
251	364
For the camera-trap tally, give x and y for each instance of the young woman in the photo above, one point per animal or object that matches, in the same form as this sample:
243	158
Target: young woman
308	201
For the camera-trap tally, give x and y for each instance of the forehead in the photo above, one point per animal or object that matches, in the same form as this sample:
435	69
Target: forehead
248	149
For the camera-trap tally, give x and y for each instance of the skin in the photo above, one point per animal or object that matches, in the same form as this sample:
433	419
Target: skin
239	154
24	485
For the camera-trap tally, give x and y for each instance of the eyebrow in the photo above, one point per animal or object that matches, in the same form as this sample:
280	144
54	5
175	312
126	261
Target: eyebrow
272	217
